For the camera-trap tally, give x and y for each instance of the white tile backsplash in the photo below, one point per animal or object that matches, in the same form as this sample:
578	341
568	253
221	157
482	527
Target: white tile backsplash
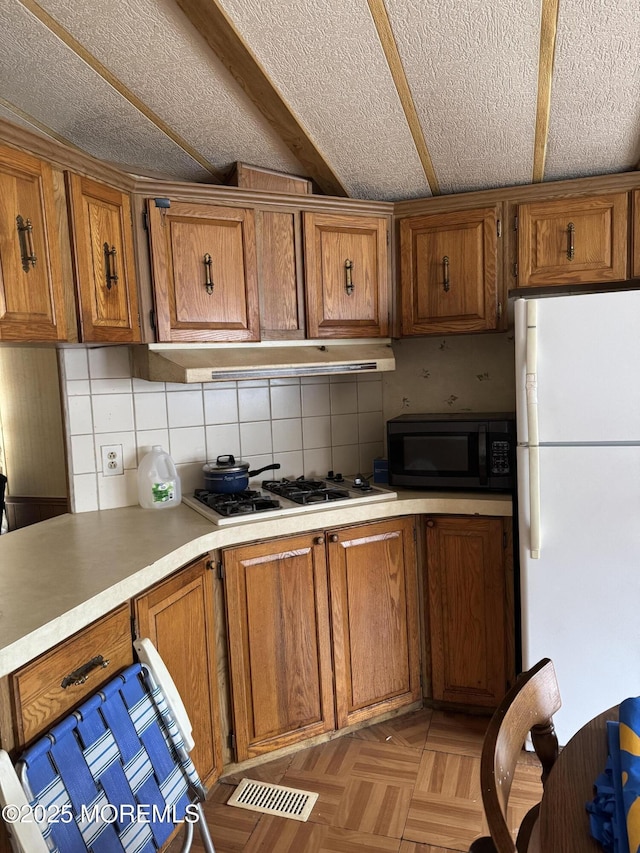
187	444
111	386
287	435
315	400
344	398
76	364
80	421
255	438
185	408
83	456
222	440
109	363
150	410
308	425
112	412
221	406
285	402
344	430
254	404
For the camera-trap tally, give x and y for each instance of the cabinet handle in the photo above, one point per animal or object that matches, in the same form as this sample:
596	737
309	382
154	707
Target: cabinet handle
319	540
445	274
25	237
334	538
208	281
571	231
110	265
348	286
431	523
80	675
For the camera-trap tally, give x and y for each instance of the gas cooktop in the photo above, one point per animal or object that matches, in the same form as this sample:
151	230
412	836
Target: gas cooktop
284	497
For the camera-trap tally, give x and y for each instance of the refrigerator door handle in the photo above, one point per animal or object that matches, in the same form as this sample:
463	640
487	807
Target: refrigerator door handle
532	424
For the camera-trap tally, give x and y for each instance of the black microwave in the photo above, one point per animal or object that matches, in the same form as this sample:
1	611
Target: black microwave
453	451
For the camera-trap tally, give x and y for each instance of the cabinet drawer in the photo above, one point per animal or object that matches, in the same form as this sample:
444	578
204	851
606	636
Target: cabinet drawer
38	695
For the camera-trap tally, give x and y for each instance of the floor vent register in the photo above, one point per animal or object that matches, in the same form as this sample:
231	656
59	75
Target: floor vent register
273	799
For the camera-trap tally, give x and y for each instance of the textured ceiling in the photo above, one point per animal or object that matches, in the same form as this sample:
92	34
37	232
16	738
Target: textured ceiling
381	99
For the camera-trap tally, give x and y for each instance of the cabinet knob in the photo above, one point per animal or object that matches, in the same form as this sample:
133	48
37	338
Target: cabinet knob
334	538
319	540
431	523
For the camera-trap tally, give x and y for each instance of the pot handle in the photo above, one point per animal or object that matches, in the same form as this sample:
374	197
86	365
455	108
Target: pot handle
226	459
266	468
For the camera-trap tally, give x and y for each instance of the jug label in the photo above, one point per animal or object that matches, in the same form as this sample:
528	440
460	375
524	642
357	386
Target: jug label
162	492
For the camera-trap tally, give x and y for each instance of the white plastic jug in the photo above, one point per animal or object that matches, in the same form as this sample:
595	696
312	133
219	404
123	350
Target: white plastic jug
158	480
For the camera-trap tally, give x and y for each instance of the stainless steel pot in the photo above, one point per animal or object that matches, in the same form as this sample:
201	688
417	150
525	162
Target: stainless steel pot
228	475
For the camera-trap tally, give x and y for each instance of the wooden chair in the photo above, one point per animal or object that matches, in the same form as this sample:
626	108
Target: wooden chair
529	706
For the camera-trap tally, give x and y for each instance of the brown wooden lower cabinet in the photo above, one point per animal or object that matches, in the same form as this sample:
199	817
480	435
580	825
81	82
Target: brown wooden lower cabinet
177	616
284	634
470	596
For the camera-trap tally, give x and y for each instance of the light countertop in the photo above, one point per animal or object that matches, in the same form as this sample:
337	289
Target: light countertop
60	575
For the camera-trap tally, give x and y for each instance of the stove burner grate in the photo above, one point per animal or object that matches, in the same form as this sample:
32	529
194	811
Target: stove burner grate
238	503
303	491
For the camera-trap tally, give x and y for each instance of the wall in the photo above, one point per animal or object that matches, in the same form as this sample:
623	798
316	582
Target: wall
32	430
458	373
308	425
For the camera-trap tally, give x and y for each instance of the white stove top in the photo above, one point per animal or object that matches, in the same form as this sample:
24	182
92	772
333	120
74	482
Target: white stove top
288	507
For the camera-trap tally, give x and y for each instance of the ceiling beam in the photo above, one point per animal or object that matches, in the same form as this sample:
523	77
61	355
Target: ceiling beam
548	34
74	45
390	48
208	17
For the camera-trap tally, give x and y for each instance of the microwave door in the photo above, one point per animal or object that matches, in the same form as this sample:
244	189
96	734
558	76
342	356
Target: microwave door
482	455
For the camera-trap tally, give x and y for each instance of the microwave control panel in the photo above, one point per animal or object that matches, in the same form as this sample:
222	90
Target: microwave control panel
500	457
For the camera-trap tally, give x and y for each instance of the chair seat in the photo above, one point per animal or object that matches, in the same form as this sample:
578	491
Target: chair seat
114	776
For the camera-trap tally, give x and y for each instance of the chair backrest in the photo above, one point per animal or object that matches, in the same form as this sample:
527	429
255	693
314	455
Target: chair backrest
112	776
528	707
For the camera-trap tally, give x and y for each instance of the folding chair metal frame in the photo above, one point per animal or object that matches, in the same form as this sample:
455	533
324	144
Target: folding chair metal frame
128	749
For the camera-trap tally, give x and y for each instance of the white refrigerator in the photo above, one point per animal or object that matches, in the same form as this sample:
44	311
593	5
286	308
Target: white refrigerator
578	462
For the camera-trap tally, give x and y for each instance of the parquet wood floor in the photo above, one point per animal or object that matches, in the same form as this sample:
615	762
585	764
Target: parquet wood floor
408	785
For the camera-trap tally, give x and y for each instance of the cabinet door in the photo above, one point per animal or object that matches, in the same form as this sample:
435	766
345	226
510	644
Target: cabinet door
573	241
347	278
279	249
467	609
374	618
279	646
102	240
31	293
177	616
449	272
203	259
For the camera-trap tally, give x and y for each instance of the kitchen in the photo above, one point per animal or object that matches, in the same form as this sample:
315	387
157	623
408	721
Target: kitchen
309	425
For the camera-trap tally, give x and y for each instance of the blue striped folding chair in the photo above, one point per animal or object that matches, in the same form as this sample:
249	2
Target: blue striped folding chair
114	776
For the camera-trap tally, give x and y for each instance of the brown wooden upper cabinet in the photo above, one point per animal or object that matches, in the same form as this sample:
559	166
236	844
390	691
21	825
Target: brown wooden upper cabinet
635	266
573	240
104	261
449	272
347	277
280	274
203	259
31	290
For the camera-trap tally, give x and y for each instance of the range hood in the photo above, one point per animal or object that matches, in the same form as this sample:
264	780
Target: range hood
188	363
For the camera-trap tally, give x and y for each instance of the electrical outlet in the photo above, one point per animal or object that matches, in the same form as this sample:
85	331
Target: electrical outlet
111	459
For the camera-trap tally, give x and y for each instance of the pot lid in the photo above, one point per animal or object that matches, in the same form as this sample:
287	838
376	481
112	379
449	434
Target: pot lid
227	463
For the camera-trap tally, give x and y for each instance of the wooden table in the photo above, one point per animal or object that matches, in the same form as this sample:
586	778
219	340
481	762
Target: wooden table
564	822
